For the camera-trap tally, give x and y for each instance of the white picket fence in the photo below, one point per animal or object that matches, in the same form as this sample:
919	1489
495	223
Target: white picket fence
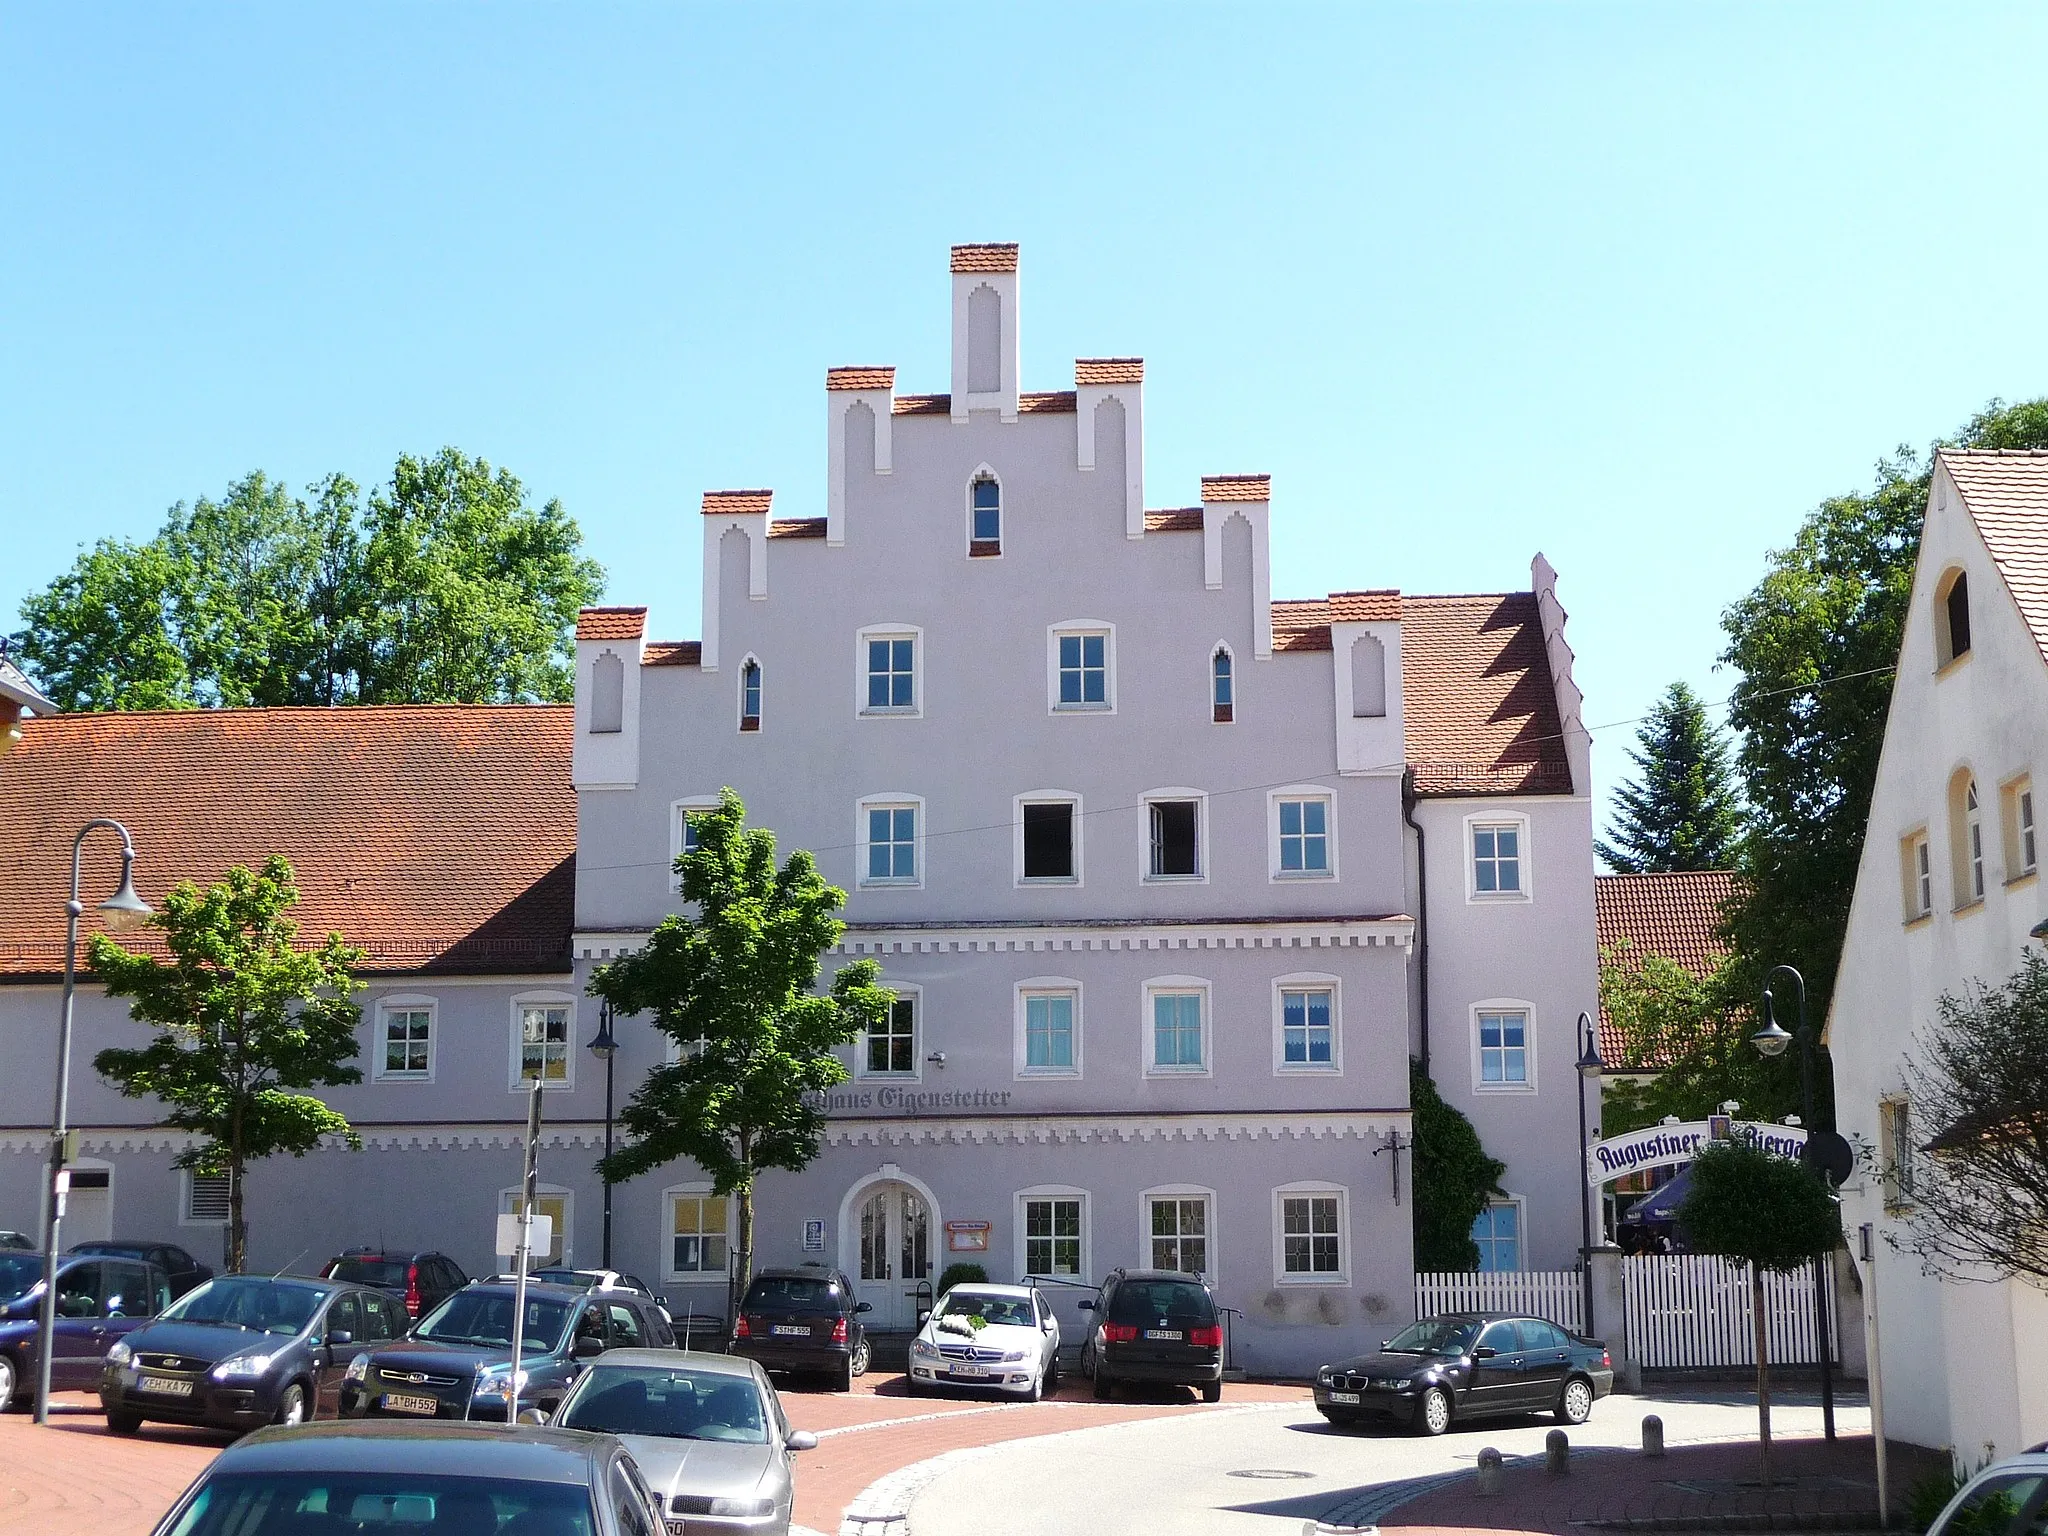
1556	1295
1693	1310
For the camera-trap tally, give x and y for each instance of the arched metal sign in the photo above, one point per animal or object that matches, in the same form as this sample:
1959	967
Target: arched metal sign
1666	1146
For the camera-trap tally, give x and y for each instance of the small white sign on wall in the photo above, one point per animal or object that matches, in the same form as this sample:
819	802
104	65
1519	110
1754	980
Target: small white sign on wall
541	1236
814	1237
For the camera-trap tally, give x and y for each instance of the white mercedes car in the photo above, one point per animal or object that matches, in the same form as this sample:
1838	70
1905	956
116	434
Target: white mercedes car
1001	1336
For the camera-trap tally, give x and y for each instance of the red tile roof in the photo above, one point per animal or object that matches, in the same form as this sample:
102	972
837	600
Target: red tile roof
797	528
1301	624
1380	606
1237	487
984	258
860	378
673	653
1053	401
1109	370
2006	493
1675	915
611	623
435	837
1477	701
1174	520
733	503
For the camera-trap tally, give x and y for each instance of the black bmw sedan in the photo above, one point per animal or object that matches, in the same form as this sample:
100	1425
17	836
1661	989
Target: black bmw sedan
1468	1365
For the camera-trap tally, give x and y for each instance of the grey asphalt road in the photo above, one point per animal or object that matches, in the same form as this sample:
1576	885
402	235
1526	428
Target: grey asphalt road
1186	1476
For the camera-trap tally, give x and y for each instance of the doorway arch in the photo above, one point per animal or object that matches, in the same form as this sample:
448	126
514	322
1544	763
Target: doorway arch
889	1227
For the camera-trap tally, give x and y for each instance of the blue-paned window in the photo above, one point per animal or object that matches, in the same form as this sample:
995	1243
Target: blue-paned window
1497	860
1503	1048
1177	1029
1498	1232
892	842
987	499
1049	1031
892	674
1307	1038
1304	837
1084	671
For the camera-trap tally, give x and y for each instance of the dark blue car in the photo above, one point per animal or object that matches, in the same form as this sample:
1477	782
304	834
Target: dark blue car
98	1300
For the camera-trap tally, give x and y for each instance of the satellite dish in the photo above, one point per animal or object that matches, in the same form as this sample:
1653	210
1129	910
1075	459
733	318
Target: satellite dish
1829	1155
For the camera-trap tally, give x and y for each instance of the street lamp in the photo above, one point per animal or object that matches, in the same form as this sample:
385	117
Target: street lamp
119	912
1590	1068
1771	1041
605	1046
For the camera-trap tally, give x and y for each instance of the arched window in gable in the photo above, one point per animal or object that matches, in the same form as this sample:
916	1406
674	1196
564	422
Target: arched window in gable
1952	618
1222	687
750	695
1966	839
984	515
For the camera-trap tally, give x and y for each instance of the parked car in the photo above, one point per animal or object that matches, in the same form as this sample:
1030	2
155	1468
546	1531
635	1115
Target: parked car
239	1351
98	1301
707	1431
9	1238
806	1319
183	1270
395	1477
457	1363
1156	1326
2007	1498
1468	1365
1001	1336
590	1280
422	1280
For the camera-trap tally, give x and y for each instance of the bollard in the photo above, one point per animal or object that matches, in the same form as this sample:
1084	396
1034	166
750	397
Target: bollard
1489	1470
1653	1435
1557	1453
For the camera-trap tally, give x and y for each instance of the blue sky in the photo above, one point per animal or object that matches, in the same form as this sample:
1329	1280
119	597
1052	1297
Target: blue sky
1632	285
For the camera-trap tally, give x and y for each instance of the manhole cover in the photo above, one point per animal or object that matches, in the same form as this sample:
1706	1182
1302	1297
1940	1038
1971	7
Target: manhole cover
1275	1474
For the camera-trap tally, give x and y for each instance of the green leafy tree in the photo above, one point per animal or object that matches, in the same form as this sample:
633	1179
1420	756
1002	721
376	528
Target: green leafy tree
1681	811
446	586
732	986
1454	1179
1749	1205
1814	644
245	1021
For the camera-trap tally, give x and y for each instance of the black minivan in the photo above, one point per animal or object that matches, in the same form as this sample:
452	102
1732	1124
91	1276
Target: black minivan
804	1319
1156	1326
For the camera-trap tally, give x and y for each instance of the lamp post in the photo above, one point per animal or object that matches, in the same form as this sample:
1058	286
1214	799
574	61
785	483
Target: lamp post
604	1046
120	911
1772	1041
1590	1068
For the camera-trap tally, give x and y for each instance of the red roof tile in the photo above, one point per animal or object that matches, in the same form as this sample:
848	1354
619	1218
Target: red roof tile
1477	701
797	528
984	258
733	503
1109	370
1174	520
1382	606
1054	401
673	653
1301	624
435	837
1675	915
611	623
2006	492
860	378
1237	487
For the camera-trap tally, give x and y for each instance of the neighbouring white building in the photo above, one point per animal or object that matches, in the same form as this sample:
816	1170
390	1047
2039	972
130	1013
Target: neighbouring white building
1948	888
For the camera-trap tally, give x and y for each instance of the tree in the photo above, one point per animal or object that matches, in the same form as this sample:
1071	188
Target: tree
732	987
1773	1215
1979	1093
1682	811
447	586
245	1021
1814	644
1454	1179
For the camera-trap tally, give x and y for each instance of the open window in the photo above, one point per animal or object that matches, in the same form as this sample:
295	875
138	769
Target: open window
1174	850
1951	618
1049	847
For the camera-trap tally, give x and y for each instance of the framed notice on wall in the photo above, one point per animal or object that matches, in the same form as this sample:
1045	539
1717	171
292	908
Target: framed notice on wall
967	1237
814	1237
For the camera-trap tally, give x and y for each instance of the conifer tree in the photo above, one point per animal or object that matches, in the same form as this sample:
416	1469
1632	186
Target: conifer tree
1680	812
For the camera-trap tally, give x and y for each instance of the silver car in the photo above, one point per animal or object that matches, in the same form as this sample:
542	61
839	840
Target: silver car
706	1430
979	1335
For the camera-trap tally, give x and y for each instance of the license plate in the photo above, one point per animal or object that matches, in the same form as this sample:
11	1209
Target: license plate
1164	1333
790	1331
962	1368
1344	1397
402	1402
678	1528
169	1386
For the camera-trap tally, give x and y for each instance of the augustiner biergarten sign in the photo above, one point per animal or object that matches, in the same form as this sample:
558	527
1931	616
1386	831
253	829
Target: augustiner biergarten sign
1664	1146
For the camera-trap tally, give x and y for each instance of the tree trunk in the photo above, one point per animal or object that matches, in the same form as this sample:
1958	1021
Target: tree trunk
1763	1369
743	1259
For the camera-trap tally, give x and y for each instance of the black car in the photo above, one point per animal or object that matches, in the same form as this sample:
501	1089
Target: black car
1468	1365
805	1319
421	1280
239	1351
1156	1326
458	1362
439	1478
182	1270
98	1300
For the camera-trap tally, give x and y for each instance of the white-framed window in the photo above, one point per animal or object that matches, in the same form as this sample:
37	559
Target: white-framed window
555	1203
1503	1046
682	836
890	1049
1497	857
1307	1029
1048	840
1916	876
1048	1028
1311	1227
750	695
403	1051
696	1234
1301	832
1176	1026
1176	835
1052	1230
1497	1232
543	1040
1080	663
890	835
889	664
984	514
1896	1151
1177	1229
2016	807
206	1201
1222	686
675	1051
